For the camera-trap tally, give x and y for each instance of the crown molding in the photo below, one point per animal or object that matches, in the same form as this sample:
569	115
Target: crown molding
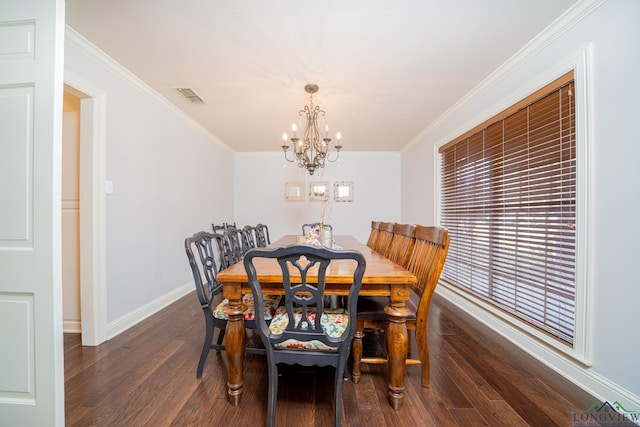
561	25
77	41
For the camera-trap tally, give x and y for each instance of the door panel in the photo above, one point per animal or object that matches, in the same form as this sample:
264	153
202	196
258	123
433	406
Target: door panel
16	166
31	354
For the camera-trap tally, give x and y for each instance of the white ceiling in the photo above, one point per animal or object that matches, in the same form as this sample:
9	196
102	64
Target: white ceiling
386	68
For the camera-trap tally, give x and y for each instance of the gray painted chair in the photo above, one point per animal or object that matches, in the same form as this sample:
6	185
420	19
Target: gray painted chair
308	227
317	336
262	236
206	258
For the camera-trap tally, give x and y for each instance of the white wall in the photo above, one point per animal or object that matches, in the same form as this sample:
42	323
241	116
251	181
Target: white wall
613	32
418	185
167	176
259	189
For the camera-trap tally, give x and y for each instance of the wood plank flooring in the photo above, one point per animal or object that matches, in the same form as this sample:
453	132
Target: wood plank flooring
147	376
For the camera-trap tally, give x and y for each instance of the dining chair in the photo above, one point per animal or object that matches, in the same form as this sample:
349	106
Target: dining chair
401	244
302	331
373	235
308	227
248	238
426	263
220	228
233	245
206	258
385	235
262	236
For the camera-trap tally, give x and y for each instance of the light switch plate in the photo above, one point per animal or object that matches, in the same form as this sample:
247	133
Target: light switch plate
108	187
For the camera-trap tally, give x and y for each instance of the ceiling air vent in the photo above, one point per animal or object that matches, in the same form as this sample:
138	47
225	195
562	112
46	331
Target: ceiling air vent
189	94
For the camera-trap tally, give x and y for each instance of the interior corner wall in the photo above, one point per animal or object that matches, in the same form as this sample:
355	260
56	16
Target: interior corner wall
260	181
418	185
166	175
612	32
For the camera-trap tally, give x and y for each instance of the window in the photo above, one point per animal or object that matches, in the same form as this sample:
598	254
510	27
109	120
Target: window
508	199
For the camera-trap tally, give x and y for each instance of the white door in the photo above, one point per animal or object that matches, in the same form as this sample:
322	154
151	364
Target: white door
31	86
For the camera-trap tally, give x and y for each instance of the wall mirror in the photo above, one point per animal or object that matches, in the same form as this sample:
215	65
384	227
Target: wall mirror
294	191
343	191
318	191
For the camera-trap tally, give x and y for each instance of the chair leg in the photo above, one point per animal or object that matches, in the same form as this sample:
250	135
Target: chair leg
272	395
207	343
423	350
338	394
356	351
221	335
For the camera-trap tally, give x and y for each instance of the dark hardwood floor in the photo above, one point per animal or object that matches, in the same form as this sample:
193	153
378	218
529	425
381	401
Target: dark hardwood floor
147	376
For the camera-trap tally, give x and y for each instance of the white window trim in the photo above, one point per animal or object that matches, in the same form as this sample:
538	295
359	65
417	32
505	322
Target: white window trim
501	321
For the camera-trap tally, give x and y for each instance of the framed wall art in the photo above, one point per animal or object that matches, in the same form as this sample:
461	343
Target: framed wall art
343	191
294	191
319	191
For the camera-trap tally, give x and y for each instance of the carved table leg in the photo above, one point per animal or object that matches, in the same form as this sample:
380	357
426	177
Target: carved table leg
356	351
234	347
397	346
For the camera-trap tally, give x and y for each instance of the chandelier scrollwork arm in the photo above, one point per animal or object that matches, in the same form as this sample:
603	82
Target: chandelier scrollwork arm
285	148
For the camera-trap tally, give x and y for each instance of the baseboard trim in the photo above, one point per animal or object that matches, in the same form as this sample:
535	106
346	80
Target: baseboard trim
584	377
72	326
136	316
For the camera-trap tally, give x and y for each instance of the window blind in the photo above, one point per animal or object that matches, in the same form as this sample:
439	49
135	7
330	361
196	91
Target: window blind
509	203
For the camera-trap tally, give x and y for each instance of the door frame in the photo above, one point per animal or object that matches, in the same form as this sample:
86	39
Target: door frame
93	277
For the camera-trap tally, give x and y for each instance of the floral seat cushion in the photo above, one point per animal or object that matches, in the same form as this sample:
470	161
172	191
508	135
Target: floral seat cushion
334	322
270	304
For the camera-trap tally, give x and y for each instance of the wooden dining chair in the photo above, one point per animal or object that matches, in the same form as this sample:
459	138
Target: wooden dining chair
385	235
373	235
302	331
401	245
206	258
426	263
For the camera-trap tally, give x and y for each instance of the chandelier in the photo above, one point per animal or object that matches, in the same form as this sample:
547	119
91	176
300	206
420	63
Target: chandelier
312	151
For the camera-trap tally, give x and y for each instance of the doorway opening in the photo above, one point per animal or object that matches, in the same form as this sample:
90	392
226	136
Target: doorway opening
92	209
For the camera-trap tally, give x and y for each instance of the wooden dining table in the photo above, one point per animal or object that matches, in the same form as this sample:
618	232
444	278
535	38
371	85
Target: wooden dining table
382	277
